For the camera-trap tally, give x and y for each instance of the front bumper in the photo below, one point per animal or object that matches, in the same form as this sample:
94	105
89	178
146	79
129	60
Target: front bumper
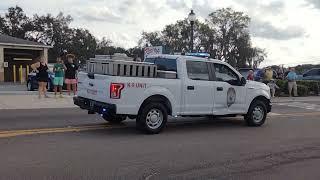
95	106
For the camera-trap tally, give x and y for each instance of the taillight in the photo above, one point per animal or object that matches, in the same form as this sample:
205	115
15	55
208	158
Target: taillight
115	90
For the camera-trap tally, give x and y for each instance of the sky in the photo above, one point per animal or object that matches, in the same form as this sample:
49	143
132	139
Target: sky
287	29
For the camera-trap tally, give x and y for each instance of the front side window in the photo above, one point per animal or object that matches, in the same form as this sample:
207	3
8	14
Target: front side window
225	74
198	70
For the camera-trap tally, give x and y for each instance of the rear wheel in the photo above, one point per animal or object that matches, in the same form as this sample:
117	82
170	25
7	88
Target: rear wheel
257	114
113	118
152	118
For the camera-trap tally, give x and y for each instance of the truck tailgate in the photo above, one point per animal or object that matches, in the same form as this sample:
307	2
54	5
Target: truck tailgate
96	88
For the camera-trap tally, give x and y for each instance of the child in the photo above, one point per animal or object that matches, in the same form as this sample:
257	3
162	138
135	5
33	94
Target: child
273	86
58	70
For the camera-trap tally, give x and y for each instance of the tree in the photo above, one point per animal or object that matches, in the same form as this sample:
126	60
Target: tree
231	29
15	23
3	27
83	44
150	39
53	31
176	37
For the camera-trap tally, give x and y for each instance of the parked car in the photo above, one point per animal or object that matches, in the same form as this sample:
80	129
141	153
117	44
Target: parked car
32	82
258	73
312	74
245	72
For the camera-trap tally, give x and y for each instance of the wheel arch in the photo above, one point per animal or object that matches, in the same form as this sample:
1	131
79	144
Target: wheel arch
157	98
263	99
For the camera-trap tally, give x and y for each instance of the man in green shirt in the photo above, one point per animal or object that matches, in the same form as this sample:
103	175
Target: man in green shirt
58	70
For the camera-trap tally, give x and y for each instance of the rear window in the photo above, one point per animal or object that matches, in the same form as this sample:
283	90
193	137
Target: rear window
164	64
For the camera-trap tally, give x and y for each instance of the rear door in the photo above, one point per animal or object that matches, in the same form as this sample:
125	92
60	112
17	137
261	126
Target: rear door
229	94
197	89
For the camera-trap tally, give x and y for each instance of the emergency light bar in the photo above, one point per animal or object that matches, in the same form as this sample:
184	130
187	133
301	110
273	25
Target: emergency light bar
203	55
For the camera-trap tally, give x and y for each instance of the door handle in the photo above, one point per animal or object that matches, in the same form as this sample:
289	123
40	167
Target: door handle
190	87
219	88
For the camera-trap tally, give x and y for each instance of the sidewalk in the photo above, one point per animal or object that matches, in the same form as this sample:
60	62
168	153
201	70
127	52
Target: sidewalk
31	101
9	87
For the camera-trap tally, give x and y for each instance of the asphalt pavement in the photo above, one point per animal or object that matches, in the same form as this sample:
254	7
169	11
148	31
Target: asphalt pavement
69	144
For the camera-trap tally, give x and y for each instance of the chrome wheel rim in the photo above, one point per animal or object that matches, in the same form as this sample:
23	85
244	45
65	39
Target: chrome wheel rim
257	114
154	118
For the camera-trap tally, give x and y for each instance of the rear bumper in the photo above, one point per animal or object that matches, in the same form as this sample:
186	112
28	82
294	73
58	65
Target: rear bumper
95	106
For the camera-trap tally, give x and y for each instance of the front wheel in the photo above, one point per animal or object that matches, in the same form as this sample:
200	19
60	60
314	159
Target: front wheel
152	118
257	114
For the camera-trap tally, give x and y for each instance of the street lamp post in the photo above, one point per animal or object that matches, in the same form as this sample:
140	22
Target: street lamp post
192	19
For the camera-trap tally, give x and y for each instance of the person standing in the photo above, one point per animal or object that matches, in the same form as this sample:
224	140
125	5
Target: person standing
41	68
292	82
250	75
58	70
268	75
70	74
273	87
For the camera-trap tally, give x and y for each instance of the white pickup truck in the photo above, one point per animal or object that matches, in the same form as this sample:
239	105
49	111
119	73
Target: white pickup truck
198	87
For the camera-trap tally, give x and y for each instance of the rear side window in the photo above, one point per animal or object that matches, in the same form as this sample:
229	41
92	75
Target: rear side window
164	64
198	70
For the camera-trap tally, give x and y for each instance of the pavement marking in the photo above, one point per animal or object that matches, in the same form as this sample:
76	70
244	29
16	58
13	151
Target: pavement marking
308	106
295	114
24	132
274	114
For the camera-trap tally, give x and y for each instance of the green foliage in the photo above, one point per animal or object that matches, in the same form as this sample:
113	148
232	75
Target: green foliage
225	35
15	23
305	88
313	86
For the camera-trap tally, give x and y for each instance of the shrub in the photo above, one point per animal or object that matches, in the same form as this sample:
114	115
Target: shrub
313	86
303	90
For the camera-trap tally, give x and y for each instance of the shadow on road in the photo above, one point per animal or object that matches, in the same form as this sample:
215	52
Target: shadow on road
175	126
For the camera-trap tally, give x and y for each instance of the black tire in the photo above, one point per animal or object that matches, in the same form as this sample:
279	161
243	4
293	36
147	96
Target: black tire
132	116
144	119
114	119
254	118
29	86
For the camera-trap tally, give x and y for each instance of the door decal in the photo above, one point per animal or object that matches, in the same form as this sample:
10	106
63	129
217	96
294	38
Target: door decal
231	96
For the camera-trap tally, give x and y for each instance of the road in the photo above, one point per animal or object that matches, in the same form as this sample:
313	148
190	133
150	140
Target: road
69	144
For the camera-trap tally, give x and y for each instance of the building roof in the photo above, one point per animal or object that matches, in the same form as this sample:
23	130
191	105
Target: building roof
13	41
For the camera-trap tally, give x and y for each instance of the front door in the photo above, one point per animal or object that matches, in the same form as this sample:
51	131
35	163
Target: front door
229	94
197	92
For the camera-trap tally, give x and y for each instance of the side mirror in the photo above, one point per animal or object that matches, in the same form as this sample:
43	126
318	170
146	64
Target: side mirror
243	81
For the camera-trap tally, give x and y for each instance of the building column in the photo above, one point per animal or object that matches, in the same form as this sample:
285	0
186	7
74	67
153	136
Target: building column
1	64
44	54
